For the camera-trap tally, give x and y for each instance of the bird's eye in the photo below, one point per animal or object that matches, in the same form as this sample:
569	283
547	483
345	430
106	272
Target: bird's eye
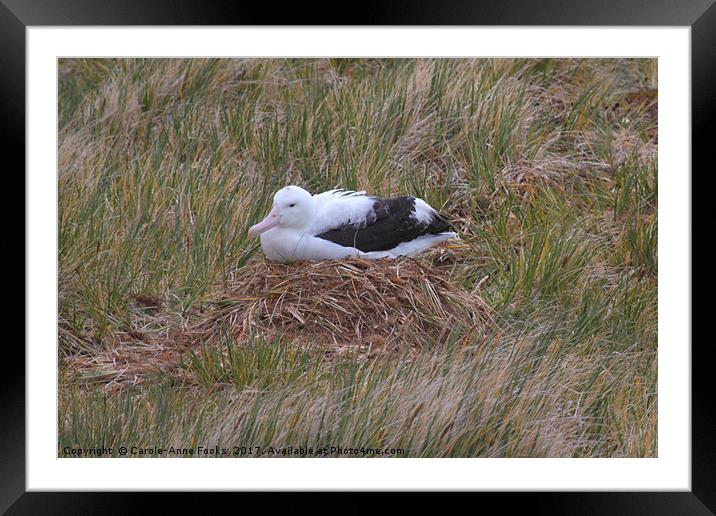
292	205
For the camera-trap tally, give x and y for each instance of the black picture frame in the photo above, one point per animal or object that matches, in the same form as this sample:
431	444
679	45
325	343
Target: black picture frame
17	15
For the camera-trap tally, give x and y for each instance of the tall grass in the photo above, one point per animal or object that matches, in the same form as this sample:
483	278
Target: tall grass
546	167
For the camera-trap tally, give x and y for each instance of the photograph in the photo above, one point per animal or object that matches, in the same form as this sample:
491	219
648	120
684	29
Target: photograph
357	257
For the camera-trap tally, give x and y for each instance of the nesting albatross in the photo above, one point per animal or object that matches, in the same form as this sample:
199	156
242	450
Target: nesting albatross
339	224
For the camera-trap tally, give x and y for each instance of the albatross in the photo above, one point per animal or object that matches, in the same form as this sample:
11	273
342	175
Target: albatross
344	224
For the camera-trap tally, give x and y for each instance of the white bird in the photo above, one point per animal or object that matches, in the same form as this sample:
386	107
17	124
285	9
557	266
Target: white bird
340	224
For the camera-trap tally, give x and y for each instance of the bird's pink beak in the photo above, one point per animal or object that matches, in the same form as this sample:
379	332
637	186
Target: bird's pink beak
271	220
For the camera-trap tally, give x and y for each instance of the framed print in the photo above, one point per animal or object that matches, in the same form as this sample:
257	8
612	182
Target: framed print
430	254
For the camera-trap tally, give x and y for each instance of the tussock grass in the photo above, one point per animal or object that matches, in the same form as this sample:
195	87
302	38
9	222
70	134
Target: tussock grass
547	168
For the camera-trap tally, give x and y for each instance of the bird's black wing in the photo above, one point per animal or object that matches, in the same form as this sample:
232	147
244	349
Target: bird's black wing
390	223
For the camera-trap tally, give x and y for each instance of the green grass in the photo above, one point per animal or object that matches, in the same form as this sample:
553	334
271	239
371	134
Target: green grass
547	168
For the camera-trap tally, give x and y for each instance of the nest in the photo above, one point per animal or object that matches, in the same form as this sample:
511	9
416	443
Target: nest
369	305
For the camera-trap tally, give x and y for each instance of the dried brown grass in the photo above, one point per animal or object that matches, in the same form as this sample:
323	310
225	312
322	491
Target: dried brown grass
365	305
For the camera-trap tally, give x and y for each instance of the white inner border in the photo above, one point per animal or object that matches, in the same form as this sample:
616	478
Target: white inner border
671	470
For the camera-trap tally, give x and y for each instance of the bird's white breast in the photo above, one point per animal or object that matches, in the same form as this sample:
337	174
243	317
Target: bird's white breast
280	244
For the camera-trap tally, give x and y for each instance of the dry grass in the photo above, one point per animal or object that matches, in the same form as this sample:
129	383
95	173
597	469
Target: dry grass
371	306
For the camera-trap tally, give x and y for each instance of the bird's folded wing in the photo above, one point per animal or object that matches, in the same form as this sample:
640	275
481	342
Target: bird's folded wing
386	224
337	208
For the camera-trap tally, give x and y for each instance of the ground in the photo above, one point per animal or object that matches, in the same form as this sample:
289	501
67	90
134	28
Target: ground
535	335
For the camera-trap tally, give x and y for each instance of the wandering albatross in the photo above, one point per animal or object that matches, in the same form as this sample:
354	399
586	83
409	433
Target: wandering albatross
340	224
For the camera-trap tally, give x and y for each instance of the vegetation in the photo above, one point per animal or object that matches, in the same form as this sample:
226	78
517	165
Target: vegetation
547	168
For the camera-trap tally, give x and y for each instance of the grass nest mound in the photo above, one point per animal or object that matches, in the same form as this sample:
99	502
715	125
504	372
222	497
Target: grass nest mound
369	305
